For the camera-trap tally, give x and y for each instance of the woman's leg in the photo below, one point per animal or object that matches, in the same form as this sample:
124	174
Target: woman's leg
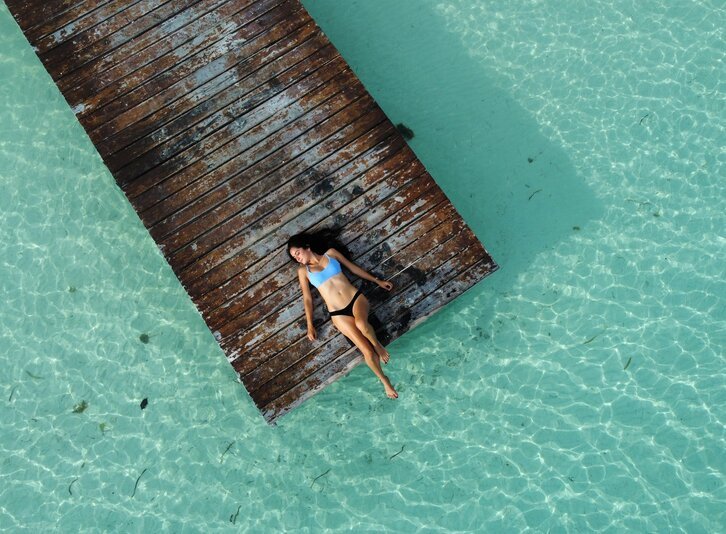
346	325
361	308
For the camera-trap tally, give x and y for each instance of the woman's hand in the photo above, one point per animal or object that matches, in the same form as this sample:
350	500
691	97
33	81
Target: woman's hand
312	335
385	284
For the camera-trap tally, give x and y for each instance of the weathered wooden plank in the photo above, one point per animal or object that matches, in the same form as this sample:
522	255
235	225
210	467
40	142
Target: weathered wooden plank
236	193
158	126
38	19
199	71
188	132
261	248
308	155
127	23
242	134
80	27
232	125
300	355
193	25
155	74
303	171
426	276
191	126
333	106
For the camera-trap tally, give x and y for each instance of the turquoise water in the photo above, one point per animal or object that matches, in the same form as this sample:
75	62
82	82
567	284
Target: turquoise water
580	388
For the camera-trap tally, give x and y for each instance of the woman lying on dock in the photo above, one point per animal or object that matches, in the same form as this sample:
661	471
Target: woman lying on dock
321	266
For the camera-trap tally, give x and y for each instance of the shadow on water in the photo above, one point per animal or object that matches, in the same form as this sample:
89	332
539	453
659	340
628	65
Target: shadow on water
516	188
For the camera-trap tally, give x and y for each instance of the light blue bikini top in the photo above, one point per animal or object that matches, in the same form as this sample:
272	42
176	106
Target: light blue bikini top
318	278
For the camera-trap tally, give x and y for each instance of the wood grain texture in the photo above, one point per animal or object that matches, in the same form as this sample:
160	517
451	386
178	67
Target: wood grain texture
232	125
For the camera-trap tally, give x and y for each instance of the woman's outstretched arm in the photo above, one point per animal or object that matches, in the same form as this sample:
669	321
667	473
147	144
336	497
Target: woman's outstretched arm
307	302
358	271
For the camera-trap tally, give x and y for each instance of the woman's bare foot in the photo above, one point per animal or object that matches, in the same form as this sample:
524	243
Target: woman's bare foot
390	392
382	353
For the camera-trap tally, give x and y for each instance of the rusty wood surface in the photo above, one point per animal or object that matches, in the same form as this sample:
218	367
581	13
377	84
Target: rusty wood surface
181	31
231	125
39	19
245	140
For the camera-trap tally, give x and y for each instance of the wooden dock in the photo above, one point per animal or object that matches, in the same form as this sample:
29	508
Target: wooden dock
231	125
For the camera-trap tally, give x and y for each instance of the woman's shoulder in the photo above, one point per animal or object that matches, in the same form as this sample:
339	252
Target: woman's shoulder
333	252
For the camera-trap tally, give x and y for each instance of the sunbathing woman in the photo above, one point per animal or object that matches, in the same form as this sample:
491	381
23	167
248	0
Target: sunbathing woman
321	266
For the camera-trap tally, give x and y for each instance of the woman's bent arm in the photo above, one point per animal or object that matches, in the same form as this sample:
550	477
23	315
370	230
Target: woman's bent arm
307	302
362	273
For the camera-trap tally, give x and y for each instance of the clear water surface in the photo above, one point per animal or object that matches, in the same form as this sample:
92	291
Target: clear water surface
580	388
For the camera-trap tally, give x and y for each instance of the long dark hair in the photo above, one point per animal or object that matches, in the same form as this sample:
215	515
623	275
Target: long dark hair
318	241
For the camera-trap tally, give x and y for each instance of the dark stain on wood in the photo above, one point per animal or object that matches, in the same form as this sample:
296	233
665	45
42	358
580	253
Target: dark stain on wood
233	125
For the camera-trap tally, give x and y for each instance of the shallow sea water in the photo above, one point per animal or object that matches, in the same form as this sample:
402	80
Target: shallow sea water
580	388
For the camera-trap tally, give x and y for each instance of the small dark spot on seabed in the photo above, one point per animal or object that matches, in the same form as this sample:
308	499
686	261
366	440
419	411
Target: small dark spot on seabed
591	339
229	447
530	196
399	452
71	289
137	482
317	477
80	407
405	131
233	517
640	203
576	228
144	338
144	403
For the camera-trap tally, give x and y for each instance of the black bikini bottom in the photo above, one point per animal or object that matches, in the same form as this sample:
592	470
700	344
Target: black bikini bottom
348	310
